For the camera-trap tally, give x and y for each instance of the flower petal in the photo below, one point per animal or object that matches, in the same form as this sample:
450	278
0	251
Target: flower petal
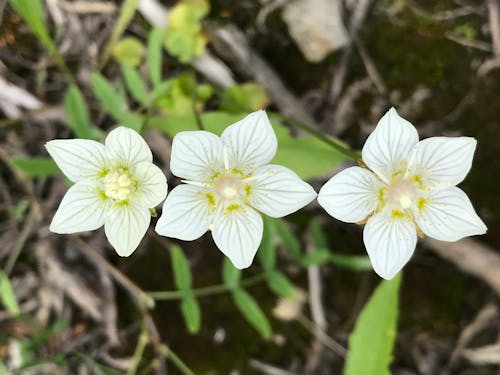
151	184
78	159
387	149
250	142
390	243
237	232
187	213
125	226
443	161
351	195
125	147
196	155
81	209
448	215
277	191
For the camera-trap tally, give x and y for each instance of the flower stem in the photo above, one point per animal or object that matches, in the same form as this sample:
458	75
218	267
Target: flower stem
167	352
337	145
204	291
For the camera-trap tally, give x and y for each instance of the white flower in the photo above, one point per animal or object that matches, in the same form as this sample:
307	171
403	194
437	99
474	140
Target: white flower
115	185
227	181
409	189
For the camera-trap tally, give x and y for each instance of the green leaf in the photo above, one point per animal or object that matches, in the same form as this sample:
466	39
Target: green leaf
78	115
315	257
154	57
247	97
191	313
230	274
21	208
280	284
319	238
32	12
267	249
307	156
352	262
37	166
288	239
128	51
108	96
252	312
135	84
132	120
371	343
7	294
180	266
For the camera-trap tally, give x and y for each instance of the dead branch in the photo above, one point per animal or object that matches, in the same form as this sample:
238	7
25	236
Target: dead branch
494	20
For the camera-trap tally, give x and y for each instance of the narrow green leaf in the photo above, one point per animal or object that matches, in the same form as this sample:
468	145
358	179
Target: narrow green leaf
230	274
78	116
315	257
191	313
180	266
108	96
317	235
7	294
288	239
37	166
247	97
135	84
352	262
132	120
267	249
252	312
371	343
128	51
154	56
280	284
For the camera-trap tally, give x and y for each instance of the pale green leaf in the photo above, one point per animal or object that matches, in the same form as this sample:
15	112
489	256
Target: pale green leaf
288	240
267	249
154	56
352	262
180	266
252	312
280	284
135	84
36	166
191	313
78	115
111	100
371	343
230	274
7	294
247	97
318	256
128	51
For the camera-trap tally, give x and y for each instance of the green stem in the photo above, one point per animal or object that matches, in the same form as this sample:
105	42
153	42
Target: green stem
205	291
352	154
167	352
139	351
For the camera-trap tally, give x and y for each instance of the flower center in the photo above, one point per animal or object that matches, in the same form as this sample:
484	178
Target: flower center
401	194
117	185
227	187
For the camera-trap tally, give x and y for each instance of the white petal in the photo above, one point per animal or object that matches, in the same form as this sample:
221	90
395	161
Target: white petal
125	226
151	184
277	191
196	155
125	148
238	234
250	142
388	148
187	213
82	208
390	243
448	215
78	159
443	161
351	195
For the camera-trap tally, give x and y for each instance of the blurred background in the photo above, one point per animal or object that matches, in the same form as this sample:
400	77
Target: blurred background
325	70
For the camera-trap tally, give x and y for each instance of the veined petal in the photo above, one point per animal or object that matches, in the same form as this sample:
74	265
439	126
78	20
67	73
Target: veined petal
351	195
125	147
390	242
125	226
82	208
151	184
277	191
250	142
78	159
196	155
187	213
443	161
237	232
448	215
388	148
